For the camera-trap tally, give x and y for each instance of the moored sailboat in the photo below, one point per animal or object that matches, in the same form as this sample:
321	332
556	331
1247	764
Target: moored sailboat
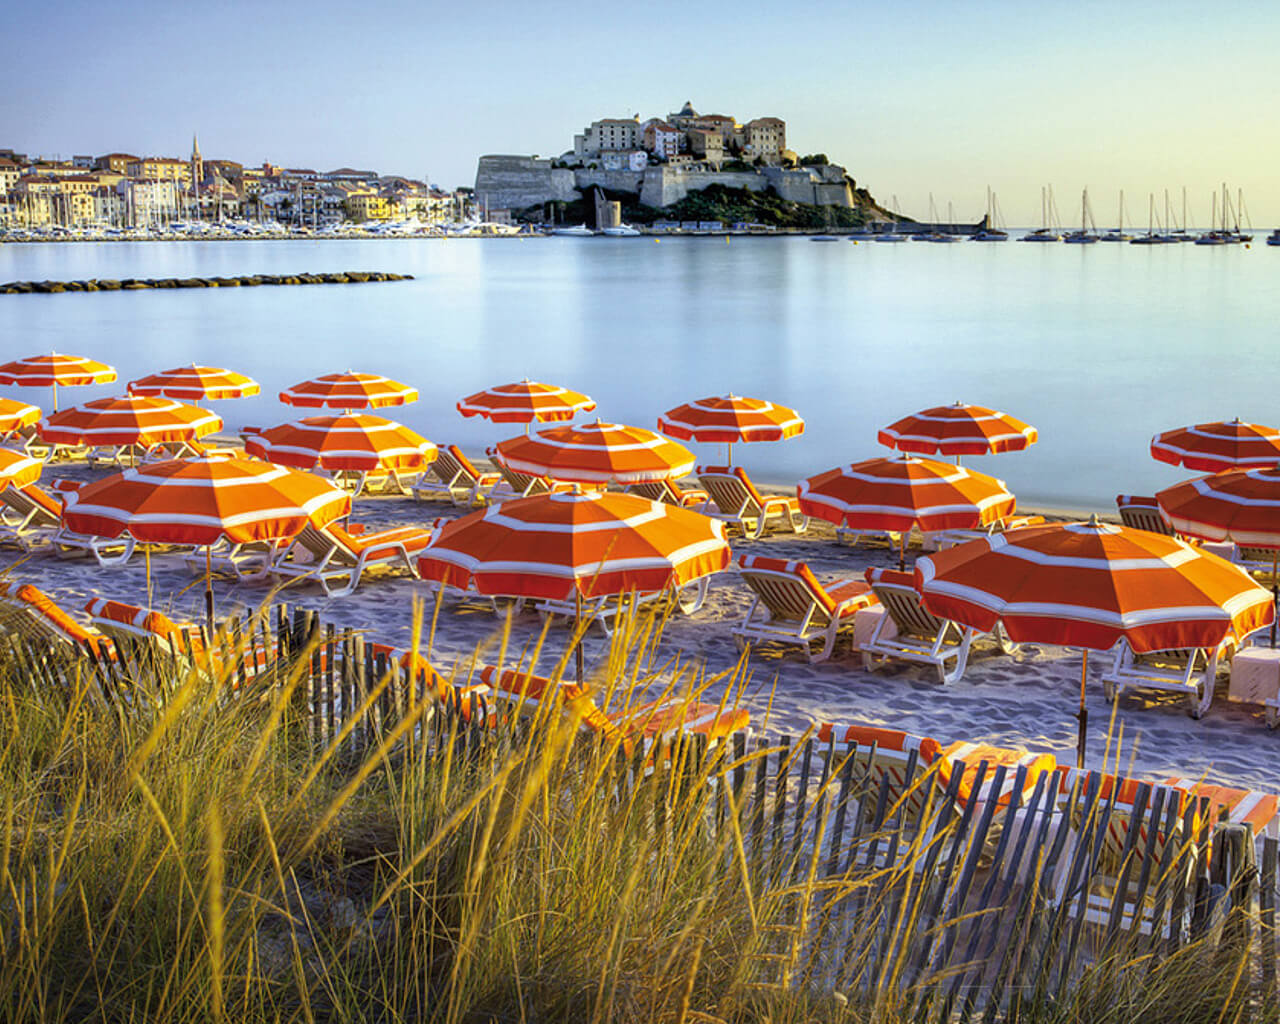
1083	236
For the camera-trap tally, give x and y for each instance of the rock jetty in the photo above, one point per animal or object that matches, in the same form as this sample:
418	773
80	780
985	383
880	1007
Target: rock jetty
252	281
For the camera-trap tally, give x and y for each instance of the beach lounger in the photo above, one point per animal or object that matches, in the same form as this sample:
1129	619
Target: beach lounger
670	493
1192	672
734	500
31	613
950	538
31	516
1143	513
792	607
247	561
921	636
899	757
454	478
1257	561
603	610
337	558
525	485
649	723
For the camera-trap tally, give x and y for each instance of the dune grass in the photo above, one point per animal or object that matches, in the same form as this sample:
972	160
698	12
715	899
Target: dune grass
183	853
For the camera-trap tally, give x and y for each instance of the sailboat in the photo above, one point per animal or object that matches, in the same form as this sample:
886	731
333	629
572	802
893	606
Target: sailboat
1274	237
1044	233
1151	237
893	234
1118	234
1083	237
990	231
1213	236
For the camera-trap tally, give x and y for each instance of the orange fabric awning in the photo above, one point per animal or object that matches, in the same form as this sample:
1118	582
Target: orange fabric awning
1091	584
597	453
526	402
599	544
901	492
958	429
133	419
349	390
1241	505
196	383
358	442
201	501
729	419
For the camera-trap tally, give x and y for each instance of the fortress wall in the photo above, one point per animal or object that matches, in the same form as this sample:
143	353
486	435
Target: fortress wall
514	182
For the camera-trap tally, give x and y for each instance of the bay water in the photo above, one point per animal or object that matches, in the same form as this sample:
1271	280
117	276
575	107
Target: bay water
1099	346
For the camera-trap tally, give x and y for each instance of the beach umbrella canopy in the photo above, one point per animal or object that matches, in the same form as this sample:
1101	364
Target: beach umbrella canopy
355	441
131	420
18	469
15	415
526	402
203	501
53	369
1089	585
597	453
730	419
1240	505
596	544
349	390
958	429
900	492
195	383
1213	447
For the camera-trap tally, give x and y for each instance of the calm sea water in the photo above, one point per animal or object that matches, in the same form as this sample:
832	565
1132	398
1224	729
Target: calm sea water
1098	346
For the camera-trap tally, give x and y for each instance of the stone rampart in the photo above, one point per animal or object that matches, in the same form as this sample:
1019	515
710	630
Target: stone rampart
666	185
515	182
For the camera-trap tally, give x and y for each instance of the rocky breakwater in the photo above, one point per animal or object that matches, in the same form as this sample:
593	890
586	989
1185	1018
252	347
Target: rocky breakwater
250	281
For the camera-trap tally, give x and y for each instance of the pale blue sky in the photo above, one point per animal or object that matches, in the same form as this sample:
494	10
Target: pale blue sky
913	97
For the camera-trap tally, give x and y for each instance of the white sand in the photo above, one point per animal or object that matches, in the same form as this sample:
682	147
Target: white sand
1027	700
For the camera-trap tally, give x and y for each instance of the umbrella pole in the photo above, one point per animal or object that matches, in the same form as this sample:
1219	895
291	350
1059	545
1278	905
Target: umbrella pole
728	454
1275	591
577	647
146	555
208	587
1083	713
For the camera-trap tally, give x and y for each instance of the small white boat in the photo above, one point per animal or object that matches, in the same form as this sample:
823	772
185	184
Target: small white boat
823	238
621	231
580	231
1274	237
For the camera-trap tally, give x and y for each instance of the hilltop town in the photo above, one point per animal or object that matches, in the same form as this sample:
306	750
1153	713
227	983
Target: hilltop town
123	191
661	161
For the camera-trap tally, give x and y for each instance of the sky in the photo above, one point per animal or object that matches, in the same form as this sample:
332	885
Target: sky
915	98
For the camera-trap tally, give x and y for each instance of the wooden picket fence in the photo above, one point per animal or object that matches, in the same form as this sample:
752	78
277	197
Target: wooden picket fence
963	909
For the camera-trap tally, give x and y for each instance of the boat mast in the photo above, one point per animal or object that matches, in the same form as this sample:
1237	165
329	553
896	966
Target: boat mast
1120	229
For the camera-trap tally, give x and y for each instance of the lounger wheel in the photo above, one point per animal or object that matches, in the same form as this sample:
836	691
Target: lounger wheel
1109	690
1198	702
1273	716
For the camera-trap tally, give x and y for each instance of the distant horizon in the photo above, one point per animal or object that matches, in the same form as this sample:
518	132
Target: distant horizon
924	97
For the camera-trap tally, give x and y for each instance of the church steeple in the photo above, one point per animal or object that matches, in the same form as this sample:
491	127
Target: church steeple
197	162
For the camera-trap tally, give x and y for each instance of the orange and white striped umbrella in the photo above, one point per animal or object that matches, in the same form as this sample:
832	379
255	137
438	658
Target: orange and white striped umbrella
195	383
133	419
18	469
1091	584
958	429
526	402
1213	447
349	390
202	501
359	442
551	545
54	369
1241	505
597	453
898	493
729	419
15	415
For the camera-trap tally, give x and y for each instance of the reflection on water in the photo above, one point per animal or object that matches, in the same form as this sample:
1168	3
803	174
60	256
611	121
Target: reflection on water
1100	347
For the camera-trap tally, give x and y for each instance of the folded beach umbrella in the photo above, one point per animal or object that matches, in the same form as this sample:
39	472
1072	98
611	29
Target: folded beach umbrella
131	420
195	383
729	419
18	469
16	416
903	491
1213	447
1089	585
526	402
349	390
351	442
958	429
54	369
553	546
597	453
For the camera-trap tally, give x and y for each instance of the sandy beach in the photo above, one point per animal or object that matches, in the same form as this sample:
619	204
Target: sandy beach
1028	699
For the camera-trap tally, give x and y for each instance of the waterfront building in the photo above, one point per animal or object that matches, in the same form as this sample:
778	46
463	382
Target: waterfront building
663	140
10	172
764	137
157	167
610	133
116	163
706	145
